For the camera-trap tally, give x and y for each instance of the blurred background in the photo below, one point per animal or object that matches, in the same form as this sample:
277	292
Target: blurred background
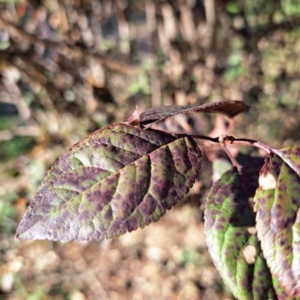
69	67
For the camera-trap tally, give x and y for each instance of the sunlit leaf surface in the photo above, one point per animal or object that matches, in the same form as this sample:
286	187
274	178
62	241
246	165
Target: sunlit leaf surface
231	238
115	180
156	114
277	202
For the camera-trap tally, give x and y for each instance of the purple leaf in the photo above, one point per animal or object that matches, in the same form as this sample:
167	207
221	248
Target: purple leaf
115	180
156	114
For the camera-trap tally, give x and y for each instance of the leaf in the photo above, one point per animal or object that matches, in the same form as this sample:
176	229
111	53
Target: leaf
231	239
277	202
291	156
281	294
115	180
156	114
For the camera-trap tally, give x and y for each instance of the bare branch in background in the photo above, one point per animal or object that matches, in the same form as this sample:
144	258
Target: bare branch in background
210	13
69	51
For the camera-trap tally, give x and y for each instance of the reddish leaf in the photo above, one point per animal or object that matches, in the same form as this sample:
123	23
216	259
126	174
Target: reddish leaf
117	179
156	114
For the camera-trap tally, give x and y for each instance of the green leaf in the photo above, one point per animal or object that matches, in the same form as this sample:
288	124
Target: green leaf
277	202
231	239
156	114
115	180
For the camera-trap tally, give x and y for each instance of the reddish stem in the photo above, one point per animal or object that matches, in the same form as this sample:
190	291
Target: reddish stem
230	140
253	143
232	159
208	138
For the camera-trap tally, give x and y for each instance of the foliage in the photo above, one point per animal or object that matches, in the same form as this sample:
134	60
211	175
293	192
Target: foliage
196	52
116	180
126	175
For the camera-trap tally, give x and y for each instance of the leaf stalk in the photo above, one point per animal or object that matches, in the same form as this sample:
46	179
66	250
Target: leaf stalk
230	140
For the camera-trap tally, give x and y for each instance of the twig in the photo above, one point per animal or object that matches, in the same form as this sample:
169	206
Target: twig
232	159
250	142
210	13
230	140
208	138
66	50
231	126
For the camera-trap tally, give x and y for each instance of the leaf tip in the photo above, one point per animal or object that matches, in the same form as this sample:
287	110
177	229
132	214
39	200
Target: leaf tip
21	235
